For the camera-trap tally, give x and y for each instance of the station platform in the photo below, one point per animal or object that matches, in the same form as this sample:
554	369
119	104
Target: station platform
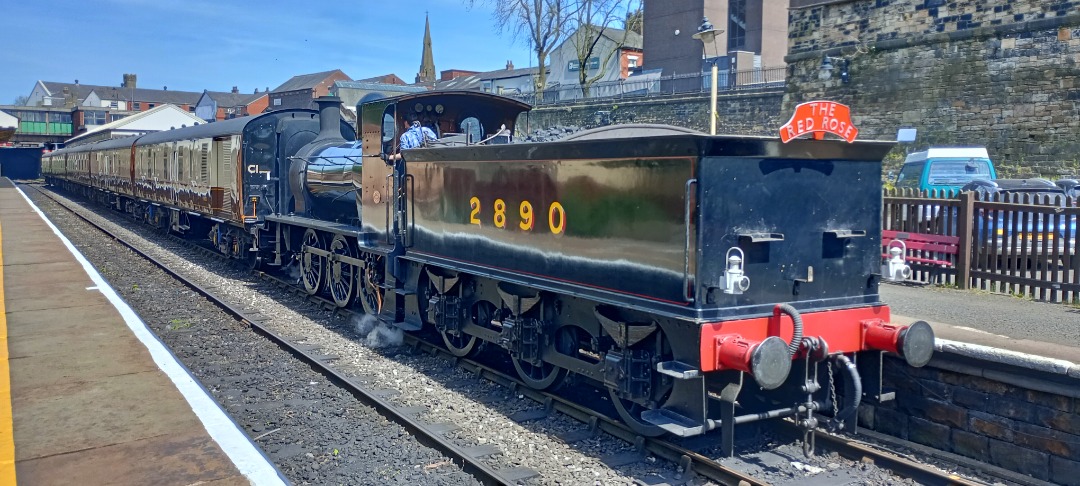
88	394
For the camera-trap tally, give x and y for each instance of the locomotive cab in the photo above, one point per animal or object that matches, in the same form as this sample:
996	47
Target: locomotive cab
459	119
456	118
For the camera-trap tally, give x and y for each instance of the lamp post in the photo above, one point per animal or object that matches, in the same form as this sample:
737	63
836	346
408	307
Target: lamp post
706	33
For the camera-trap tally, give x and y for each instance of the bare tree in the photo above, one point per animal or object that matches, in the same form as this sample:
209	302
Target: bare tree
543	24
597	20
21	100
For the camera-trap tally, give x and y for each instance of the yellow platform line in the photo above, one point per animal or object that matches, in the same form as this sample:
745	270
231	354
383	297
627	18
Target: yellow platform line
7	435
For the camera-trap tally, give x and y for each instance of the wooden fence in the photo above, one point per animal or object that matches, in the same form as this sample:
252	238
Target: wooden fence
1020	244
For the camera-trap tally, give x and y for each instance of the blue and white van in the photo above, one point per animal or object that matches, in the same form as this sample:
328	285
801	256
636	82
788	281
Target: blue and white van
945	169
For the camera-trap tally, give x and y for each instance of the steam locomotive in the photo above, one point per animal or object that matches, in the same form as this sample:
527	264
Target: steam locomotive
661	264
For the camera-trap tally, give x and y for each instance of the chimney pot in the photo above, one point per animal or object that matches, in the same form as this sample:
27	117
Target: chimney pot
235	90
509	65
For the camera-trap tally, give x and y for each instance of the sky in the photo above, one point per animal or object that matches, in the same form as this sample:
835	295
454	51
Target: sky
192	45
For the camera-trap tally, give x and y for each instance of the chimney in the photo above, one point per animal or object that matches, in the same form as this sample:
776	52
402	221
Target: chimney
329	117
509	64
129	81
164	88
256	90
235	90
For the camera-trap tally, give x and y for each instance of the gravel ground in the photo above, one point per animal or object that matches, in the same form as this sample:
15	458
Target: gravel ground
318	434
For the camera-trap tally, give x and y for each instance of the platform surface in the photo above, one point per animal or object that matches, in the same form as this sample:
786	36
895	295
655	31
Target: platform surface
88	402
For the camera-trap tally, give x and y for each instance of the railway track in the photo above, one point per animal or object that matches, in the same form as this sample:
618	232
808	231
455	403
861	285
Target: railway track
690	463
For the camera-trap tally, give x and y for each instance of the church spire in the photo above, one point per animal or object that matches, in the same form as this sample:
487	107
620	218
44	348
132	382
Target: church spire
427	62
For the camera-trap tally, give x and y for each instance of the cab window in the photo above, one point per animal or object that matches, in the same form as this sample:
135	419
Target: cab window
389	130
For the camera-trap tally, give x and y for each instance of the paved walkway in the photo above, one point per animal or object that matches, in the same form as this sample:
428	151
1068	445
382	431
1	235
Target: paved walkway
93	397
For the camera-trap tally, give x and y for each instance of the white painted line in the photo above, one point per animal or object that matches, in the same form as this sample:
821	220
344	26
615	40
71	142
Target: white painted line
248	459
998	355
92	288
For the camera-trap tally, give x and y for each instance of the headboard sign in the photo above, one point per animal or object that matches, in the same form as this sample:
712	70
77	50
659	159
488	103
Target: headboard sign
817	118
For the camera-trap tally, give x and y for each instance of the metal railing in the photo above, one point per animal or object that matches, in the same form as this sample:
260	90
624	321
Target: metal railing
649	85
1021	244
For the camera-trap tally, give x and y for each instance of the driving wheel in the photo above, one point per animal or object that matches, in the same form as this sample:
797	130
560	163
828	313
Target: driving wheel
342	275
312	266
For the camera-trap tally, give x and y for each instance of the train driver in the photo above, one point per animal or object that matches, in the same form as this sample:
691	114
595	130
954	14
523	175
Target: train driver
414	136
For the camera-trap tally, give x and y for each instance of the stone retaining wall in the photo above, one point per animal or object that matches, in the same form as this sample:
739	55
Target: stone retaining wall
1003	74
1027	431
755	112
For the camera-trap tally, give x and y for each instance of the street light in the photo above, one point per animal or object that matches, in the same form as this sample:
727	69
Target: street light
827	68
706	33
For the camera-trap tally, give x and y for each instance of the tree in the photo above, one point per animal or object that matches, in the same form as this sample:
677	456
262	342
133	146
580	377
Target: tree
635	20
542	23
594	22
21	100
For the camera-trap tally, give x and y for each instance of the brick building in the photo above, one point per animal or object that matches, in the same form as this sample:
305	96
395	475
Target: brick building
755	26
301	91
216	105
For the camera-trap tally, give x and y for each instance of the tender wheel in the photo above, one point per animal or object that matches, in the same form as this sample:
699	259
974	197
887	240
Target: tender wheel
237	246
539	377
461	344
629	410
312	266
546	375
630	413
342	275
370	292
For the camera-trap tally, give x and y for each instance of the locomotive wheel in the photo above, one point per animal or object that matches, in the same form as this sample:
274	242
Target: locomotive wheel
370	292
342	275
312	266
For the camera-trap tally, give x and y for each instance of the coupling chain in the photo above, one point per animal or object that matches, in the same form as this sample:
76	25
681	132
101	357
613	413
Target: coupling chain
832	391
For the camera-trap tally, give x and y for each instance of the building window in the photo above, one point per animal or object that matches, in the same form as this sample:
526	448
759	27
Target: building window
277	101
113	117
191	109
573	65
136	106
93	118
150	106
114	104
631	61
736	25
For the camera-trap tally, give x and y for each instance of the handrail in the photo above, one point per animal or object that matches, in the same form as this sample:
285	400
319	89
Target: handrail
686	248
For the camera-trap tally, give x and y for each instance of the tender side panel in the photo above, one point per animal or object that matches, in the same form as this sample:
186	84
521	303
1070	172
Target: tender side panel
614	223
